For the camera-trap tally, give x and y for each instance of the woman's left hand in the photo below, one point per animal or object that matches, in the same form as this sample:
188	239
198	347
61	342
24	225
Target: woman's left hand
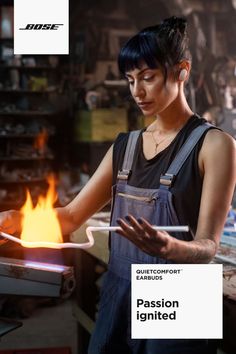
145	237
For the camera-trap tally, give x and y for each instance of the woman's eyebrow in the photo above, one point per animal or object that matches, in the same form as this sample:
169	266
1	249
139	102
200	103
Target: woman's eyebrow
139	73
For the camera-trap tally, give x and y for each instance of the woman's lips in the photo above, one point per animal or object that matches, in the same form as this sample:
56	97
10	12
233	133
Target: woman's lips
144	105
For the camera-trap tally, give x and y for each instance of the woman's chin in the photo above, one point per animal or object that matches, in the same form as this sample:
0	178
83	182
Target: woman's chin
149	113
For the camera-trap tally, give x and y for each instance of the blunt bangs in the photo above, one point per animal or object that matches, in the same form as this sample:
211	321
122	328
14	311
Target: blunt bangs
142	48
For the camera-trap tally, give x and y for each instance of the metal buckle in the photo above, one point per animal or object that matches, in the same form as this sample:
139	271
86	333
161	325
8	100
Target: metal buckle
124	174
167	179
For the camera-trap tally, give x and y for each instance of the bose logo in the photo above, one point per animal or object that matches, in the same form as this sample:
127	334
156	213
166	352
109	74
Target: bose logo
38	26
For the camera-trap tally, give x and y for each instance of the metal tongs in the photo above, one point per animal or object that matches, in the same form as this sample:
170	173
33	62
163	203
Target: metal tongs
84	245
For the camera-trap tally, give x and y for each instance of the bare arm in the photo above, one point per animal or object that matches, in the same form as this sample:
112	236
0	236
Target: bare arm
95	194
217	161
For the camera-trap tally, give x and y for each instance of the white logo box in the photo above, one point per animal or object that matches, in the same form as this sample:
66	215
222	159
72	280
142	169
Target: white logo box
45	24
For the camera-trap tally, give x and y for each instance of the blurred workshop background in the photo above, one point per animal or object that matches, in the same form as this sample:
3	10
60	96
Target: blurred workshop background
59	114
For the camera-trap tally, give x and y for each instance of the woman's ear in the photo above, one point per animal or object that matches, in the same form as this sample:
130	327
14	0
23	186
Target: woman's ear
183	74
183	70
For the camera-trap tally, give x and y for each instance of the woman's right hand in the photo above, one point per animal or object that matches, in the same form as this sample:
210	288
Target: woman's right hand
10	221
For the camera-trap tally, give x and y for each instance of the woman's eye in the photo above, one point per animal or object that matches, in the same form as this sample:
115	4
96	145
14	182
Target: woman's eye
130	82
148	78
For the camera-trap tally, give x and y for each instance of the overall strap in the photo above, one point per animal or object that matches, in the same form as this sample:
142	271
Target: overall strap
168	178
129	155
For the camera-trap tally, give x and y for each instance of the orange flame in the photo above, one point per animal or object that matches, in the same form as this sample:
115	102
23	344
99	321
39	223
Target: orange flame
40	223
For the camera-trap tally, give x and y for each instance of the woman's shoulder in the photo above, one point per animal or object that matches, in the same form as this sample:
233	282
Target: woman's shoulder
218	139
218	146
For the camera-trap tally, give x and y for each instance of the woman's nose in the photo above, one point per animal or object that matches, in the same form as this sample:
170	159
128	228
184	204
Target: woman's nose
138	91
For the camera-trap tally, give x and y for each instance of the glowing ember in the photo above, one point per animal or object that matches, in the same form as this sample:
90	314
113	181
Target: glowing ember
40	223
41	141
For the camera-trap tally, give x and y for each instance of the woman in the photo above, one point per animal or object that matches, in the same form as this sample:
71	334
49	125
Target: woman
148	189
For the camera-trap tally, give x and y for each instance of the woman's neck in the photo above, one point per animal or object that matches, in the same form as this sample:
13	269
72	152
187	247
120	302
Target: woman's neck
174	117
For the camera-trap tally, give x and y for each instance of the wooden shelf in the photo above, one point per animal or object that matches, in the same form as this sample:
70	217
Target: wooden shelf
28	113
26	158
37	67
23	136
40	110
21	92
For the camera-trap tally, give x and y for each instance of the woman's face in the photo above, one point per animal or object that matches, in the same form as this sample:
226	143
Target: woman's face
151	93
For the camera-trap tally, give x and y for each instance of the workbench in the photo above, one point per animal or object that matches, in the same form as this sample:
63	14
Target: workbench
92	263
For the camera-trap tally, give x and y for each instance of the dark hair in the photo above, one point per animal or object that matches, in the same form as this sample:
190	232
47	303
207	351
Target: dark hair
161	46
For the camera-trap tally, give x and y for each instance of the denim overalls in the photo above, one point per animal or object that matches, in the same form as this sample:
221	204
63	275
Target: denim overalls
112	334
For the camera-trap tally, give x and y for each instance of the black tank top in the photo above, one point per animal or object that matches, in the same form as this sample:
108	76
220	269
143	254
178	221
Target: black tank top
145	173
